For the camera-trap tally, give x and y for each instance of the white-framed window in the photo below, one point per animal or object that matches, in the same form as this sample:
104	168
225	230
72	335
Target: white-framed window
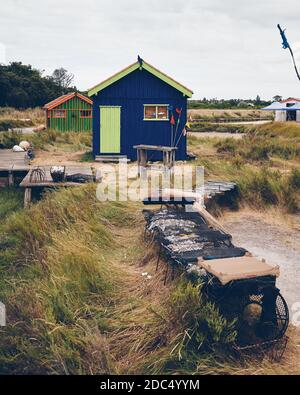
156	112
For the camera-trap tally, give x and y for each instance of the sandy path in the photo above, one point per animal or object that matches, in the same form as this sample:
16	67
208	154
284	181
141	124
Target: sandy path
279	244
220	135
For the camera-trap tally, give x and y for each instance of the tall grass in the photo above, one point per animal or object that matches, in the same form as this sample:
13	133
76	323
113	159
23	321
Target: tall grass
31	116
70	277
9	139
11	200
261	148
73	307
219	128
58	279
78	140
267	187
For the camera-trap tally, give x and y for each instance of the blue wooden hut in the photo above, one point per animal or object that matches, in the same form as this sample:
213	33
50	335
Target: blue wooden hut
139	105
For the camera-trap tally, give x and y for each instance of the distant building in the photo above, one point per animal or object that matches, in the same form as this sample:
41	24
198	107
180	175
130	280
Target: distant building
288	115
285	110
70	112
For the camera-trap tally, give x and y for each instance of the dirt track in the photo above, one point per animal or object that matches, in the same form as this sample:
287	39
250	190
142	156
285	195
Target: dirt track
277	243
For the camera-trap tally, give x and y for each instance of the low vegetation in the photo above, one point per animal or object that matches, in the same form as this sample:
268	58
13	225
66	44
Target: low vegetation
207	127
76	300
265	163
65	140
230	104
231	114
11	118
71	278
45	140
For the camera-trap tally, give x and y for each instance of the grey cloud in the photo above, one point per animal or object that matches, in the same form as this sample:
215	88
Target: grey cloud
218	48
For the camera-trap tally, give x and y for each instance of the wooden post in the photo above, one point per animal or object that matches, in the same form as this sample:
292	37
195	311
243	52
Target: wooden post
144	157
27	197
10	178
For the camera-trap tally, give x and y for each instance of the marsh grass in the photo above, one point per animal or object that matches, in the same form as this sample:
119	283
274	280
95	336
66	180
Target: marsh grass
58	279
9	139
11	200
265	164
75	141
29	117
77	302
70	277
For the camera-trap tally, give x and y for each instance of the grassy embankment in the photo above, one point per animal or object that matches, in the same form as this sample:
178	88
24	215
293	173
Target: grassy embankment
71	276
265	163
217	115
77	302
11	118
51	141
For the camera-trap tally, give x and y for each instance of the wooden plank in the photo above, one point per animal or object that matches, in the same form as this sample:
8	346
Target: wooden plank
8	159
155	148
48	182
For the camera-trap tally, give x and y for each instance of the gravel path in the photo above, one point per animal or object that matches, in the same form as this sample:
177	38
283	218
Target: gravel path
277	244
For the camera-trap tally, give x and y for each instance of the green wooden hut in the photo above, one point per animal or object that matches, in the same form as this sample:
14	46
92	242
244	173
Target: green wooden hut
70	112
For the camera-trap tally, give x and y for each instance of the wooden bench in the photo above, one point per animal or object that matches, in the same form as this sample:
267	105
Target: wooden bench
142	155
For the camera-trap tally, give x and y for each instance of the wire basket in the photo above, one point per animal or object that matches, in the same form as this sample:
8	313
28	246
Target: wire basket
58	173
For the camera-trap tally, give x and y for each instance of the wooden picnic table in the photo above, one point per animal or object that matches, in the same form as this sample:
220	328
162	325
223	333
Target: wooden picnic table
47	182
168	155
13	163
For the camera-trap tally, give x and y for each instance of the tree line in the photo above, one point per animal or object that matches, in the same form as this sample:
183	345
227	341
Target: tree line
228	103
22	86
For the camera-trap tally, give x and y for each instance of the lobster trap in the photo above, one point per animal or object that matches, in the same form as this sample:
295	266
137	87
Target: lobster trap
242	287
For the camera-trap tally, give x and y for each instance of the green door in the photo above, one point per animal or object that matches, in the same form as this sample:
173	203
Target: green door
110	130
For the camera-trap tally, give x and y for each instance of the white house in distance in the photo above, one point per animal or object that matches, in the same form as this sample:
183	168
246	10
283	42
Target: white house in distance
286	110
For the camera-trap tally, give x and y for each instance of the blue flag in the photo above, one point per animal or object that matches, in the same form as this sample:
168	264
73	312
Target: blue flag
285	43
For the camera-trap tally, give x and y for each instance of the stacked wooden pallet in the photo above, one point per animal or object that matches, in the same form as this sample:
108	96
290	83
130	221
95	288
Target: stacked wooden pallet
213	188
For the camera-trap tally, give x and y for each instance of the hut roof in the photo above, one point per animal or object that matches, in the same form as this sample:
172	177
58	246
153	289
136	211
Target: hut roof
62	99
290	99
140	65
274	106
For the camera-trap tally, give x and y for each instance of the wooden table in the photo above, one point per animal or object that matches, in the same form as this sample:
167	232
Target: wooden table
48	182
168	155
13	163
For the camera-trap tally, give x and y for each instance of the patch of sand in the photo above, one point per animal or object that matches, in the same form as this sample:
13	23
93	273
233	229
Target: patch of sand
273	237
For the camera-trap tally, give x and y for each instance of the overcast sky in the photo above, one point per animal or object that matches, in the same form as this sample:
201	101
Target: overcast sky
217	48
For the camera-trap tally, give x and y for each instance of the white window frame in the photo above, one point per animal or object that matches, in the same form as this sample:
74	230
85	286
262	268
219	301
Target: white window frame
156	118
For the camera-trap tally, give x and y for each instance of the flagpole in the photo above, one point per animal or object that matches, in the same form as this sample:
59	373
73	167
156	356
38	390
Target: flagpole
187	126
177	126
172	121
